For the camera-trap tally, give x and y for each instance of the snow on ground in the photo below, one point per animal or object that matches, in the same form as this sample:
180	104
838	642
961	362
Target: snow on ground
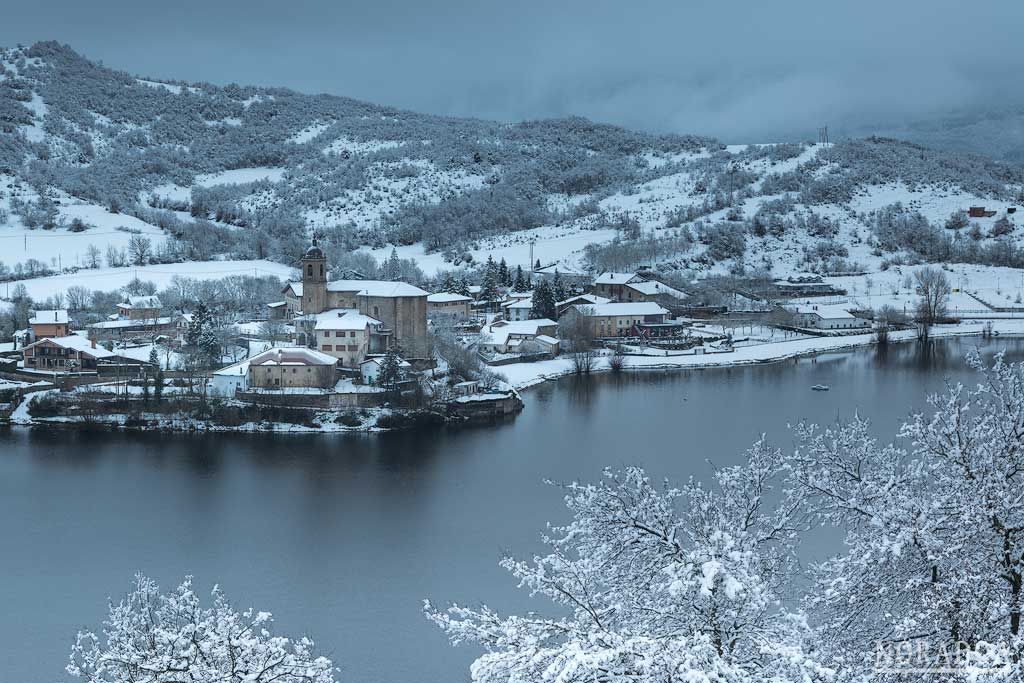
61	247
169	87
550	244
113	278
240	176
521	375
309	132
360	147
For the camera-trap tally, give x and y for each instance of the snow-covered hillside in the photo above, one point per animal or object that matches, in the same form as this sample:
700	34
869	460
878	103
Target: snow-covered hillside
100	168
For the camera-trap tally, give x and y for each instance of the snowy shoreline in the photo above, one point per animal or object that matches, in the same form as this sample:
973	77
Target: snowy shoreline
526	375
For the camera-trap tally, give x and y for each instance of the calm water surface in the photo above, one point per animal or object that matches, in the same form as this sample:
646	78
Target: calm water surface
342	537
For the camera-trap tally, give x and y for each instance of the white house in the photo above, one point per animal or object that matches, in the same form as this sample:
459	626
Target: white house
510	336
370	368
828	317
226	381
517	309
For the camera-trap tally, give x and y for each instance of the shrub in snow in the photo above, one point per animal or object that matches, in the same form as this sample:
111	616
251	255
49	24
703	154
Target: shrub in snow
162	637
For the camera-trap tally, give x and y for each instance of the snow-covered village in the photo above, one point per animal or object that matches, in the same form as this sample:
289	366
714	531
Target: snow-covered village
528	343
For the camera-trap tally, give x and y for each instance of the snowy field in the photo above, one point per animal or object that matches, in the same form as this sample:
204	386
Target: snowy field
106	279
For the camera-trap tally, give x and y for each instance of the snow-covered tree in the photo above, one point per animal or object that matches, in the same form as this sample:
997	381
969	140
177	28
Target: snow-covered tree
654	584
543	301
154	637
935	532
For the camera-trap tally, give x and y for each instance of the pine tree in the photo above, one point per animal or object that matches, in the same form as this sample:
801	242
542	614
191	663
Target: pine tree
463	286
558	289
448	283
154	359
504	278
489	289
201	320
390	370
158	386
543	301
520	283
393	266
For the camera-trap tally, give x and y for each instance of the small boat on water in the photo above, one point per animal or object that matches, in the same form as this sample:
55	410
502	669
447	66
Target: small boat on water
820	387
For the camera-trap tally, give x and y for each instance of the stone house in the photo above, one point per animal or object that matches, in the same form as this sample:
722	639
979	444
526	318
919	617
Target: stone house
65	354
292	367
347	334
618	319
449	304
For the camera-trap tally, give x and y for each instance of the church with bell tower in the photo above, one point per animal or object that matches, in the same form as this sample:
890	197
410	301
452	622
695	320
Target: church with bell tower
314	280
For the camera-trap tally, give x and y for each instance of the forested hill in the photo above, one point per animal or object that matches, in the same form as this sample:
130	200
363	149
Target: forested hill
205	171
112	138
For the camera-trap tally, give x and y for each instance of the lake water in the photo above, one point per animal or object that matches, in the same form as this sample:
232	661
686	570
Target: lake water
342	537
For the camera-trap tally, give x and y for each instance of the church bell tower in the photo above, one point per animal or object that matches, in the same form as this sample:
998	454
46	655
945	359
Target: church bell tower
314	280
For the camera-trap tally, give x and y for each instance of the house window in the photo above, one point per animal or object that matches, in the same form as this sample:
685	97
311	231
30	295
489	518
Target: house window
339	333
376	311
327	347
352	333
309	270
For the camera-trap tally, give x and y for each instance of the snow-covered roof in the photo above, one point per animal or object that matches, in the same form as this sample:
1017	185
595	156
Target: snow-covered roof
653	288
379	360
75	342
142	302
589	298
610	278
277	304
296	288
55	317
498	333
383	288
447	297
127	324
825	311
628	308
292	355
559	268
547	339
518	303
235	369
344	319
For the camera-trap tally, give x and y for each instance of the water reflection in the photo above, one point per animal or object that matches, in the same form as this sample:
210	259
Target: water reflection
343	535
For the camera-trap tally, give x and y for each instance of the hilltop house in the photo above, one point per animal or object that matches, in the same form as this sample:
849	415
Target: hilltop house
626	287
449	304
292	367
45	324
619	319
400	307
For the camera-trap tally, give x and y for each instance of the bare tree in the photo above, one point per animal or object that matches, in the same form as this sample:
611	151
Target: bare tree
141	249
577	331
934	289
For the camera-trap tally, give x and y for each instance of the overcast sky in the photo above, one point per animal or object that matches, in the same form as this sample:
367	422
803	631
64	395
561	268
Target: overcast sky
743	71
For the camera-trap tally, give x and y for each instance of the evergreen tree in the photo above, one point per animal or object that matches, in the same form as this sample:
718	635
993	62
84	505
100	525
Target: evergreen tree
390	370
558	288
520	283
463	286
503	275
201	320
543	301
154	359
448	283
489	289
392	269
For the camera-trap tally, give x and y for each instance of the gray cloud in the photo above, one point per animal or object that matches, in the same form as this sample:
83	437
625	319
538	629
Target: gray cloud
743	71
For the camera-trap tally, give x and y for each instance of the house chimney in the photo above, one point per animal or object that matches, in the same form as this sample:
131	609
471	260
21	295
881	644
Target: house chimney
92	342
